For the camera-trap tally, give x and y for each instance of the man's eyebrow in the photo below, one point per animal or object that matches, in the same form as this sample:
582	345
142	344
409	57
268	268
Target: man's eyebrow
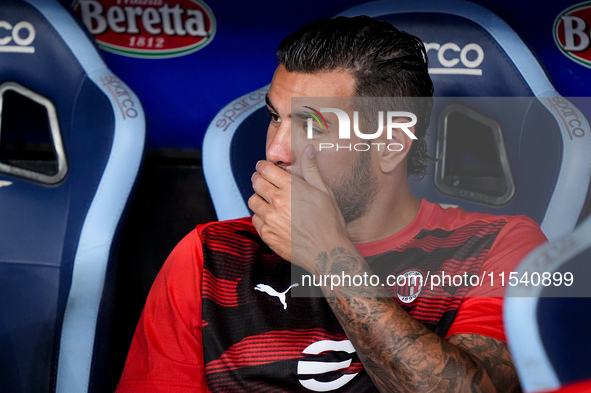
300	115
268	102
304	116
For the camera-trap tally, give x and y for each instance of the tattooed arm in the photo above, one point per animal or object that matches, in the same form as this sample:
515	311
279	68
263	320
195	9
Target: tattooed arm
399	353
402	355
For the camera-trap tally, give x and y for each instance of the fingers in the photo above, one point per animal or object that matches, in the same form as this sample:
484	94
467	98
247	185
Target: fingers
258	205
310	170
269	180
263	212
273	174
257	222
268	196
272	219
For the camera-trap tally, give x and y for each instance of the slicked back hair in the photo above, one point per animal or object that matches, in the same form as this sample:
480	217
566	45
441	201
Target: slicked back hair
384	61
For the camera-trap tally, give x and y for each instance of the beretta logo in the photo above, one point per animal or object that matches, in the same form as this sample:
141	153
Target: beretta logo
572	33
148	28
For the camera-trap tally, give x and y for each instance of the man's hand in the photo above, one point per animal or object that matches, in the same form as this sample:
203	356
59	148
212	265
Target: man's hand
271	204
300	220
296	217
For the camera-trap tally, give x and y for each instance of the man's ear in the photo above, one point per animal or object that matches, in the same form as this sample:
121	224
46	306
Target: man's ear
395	150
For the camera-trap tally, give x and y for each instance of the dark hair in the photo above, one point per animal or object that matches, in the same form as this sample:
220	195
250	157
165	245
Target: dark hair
384	61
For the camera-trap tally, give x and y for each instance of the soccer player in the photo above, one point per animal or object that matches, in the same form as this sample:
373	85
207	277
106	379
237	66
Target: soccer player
221	316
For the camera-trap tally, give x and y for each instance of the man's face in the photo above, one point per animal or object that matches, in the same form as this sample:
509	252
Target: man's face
347	173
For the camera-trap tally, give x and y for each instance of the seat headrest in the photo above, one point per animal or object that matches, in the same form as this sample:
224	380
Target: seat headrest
470	49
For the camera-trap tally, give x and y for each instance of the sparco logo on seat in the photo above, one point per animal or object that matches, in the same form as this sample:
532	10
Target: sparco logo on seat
17	38
572	33
148	28
450	58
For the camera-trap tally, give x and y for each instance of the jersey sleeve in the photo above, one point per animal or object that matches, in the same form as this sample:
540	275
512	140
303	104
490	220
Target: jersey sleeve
166	353
481	311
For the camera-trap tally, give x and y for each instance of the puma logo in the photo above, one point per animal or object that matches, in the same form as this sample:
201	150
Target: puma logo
271	292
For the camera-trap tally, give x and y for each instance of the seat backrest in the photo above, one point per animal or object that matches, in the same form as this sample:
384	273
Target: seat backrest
233	143
495	114
71	143
547	314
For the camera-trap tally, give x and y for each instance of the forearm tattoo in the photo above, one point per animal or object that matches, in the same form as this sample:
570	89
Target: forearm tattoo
399	353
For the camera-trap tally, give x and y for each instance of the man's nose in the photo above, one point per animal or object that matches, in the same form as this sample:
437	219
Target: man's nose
279	146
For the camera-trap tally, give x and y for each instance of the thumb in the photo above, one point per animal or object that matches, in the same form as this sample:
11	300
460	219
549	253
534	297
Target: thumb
310	170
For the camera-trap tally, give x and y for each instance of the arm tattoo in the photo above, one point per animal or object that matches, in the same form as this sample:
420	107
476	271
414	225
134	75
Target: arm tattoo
399	353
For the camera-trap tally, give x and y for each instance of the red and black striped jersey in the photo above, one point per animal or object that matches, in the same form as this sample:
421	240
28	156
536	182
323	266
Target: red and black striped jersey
260	337
222	315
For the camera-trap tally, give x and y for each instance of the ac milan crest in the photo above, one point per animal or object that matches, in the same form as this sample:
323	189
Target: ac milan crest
409	285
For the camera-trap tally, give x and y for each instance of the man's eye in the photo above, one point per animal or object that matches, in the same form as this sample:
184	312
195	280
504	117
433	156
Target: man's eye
312	130
274	117
317	131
